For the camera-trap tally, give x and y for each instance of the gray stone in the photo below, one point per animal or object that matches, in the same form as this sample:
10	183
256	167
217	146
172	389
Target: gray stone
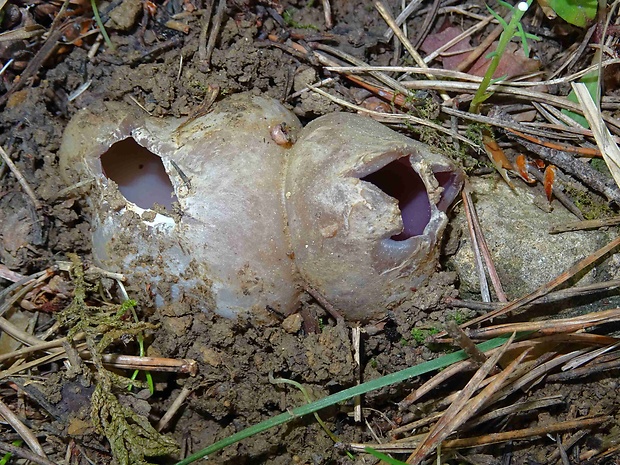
516	229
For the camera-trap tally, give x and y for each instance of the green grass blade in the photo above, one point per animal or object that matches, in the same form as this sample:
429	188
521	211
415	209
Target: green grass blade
341	396
384	457
106	37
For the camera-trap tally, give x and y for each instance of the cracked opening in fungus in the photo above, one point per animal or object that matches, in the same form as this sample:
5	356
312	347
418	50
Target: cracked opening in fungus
139	174
399	180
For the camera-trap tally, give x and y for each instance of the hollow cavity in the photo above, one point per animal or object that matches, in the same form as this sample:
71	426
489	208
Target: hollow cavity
139	174
399	180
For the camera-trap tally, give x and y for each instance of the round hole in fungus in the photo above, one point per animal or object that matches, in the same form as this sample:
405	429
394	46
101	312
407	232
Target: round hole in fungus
399	180
139	174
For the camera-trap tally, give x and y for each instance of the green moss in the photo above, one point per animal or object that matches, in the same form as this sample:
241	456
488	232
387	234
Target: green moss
421	335
458	317
591	207
290	22
131	436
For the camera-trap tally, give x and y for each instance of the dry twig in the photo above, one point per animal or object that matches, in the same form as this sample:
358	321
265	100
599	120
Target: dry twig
21	429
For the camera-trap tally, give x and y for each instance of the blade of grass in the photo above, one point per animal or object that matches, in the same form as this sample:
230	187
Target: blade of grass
106	37
341	396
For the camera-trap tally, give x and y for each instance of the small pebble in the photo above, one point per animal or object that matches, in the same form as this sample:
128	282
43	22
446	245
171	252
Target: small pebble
292	323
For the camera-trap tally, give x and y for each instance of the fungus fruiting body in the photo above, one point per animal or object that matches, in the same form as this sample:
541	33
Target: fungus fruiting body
225	207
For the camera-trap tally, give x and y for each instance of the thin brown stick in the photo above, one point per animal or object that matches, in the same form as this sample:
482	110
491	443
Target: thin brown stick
21	429
161	364
519	407
327	12
480	49
545	364
20	178
435	381
456	414
548	327
24	454
514	435
215	30
389	19
408	445
54	356
547	287
475	246
411	425
202	41
583	371
402	17
316	295
10	275
174	408
562	294
484	249
428	22
586	224
44	346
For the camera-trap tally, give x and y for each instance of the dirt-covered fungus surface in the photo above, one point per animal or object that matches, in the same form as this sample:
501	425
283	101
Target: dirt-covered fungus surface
121	366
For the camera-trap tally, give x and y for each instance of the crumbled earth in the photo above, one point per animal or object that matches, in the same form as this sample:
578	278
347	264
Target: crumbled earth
235	358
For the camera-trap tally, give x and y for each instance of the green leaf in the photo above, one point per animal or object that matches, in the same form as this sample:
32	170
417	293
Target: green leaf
501	20
505	4
591	82
576	12
498	79
384	457
521	34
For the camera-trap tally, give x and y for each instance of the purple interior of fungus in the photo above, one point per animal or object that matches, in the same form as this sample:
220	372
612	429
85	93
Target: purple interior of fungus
399	180
140	174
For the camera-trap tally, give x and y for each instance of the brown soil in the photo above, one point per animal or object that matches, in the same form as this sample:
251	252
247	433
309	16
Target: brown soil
235	359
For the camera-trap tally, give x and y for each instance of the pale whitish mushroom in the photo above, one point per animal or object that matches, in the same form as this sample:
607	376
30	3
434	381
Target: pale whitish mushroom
352	209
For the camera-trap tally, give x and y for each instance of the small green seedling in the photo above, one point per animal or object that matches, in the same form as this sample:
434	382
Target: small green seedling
511	29
7	457
130	304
